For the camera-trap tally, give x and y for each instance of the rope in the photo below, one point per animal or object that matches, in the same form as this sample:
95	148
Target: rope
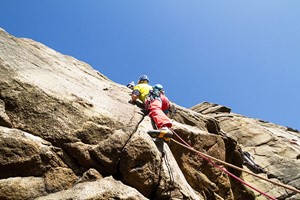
224	170
186	145
240	169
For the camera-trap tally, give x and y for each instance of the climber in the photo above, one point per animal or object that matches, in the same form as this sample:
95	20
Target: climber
156	103
141	90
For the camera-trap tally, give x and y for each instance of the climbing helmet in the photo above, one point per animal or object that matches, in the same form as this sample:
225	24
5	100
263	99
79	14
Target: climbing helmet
143	78
157	89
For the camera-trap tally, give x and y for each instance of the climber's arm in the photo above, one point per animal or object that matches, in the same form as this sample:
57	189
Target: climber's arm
135	95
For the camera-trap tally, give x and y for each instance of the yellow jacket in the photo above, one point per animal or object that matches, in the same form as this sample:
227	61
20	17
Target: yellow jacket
142	90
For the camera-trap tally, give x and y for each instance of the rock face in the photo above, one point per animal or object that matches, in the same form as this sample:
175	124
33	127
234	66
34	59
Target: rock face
276	149
68	132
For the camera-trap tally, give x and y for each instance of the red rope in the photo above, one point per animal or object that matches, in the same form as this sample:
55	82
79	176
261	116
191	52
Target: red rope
188	146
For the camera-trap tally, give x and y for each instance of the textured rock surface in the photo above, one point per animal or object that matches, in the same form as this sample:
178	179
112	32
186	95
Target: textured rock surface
275	148
60	118
106	188
68	132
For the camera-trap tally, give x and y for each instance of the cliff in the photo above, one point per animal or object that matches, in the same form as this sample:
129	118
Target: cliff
68	132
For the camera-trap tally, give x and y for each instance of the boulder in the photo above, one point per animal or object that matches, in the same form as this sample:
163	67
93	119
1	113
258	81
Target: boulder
210	108
20	188
106	188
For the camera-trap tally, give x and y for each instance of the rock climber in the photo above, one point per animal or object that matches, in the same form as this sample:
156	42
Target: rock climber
156	103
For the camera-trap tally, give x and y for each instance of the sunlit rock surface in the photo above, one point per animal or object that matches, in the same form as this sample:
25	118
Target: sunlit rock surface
68	132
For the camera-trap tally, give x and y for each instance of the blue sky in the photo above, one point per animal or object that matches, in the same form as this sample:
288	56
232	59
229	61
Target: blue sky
241	54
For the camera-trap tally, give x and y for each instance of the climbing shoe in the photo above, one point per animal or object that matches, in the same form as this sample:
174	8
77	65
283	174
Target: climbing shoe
163	133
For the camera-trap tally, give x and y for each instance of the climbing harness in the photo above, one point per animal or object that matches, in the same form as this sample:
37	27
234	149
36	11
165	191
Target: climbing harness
210	158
